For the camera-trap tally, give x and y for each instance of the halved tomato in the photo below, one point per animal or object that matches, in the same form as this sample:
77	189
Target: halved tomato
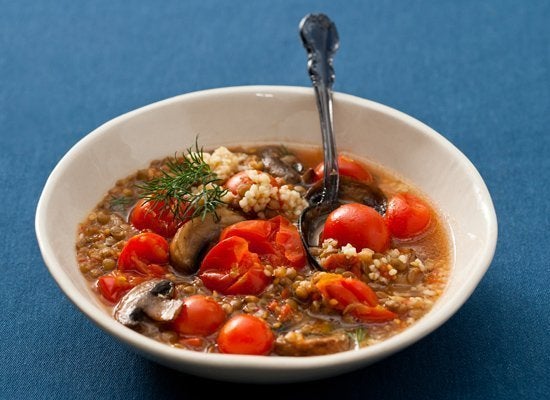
276	241
353	297
231	268
144	253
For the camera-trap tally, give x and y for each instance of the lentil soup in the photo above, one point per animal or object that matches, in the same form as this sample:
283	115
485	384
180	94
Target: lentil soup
201	251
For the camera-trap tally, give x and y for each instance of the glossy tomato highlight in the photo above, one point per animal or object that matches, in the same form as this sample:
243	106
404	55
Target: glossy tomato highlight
358	225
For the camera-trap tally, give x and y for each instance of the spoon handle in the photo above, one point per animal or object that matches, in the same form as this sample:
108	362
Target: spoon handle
320	39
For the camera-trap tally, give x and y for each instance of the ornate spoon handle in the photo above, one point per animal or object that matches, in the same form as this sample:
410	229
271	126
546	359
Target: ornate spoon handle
320	39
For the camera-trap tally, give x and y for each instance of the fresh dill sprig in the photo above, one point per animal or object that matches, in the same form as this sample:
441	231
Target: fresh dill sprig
188	187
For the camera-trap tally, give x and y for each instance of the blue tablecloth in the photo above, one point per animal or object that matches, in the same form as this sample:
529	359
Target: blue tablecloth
476	71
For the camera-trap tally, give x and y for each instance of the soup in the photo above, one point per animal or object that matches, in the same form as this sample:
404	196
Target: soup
201	251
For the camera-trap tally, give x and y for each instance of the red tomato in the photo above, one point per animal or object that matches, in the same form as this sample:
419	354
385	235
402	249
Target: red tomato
231	268
256	232
245	334
346	167
200	315
359	225
276	241
407	215
287	239
116	284
372	314
239	183
155	216
143	252
354	297
236	264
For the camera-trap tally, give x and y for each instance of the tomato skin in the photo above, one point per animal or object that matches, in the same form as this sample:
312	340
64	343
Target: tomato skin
256	232
346	167
407	216
142	250
245	334
155	216
116	284
200	315
112	288
373	314
231	268
236	264
354	297
288	239
276	241
359	225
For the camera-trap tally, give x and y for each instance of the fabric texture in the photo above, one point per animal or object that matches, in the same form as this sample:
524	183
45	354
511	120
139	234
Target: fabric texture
478	72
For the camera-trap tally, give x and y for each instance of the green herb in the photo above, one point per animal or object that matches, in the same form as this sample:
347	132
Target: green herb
188	188
359	335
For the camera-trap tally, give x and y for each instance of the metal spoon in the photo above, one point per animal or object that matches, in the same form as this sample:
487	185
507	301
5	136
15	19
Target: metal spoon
320	39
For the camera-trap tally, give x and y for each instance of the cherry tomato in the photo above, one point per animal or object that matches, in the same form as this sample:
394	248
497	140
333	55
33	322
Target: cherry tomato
239	183
200	315
236	264
359	225
116	284
276	241
287	239
346	167
256	232
142	253
231	268
155	216
245	334
407	215
354	297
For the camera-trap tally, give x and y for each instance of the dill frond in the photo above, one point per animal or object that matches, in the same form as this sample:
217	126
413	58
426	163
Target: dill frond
188	187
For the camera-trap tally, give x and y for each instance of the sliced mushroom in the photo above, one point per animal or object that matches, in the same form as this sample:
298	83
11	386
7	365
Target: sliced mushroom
355	191
277	163
153	299
196	235
296	344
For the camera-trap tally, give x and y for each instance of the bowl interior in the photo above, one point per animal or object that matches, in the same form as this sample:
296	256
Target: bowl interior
236	116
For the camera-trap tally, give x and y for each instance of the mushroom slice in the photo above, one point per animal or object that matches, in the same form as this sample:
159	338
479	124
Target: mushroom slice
153	299
194	236
296	344
277	163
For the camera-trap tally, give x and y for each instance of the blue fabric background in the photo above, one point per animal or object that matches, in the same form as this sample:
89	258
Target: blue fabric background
476	71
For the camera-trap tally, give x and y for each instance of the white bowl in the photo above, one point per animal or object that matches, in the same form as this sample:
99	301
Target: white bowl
233	116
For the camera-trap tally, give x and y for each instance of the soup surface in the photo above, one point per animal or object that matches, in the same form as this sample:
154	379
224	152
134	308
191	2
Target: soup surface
201	251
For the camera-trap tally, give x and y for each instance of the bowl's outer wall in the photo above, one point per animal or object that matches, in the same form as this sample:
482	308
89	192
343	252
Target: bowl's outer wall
248	115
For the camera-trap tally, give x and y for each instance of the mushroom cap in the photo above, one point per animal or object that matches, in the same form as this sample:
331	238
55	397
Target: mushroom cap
196	235
153	299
